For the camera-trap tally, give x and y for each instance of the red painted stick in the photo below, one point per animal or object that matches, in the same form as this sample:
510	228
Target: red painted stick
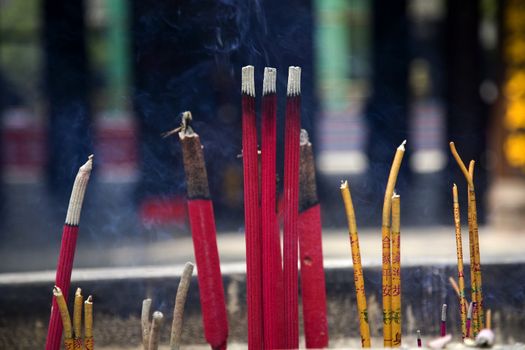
67	252
271	242
291	208
203	232
252	214
313	289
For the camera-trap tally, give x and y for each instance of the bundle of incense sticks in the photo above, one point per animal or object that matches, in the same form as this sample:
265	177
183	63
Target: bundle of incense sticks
292	131
459	253
358	268
475	264
151	330
386	241
271	243
203	231
73	333
252	217
67	251
313	289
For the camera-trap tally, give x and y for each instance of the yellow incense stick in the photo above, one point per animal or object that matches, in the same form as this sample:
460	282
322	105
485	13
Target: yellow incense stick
364	328
396	271
385	238
88	323
77	319
459	253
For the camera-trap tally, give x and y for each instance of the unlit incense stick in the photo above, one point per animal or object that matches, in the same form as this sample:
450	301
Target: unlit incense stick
65	318
154	333
180	302
459	253
77	319
144	322
396	271
88	323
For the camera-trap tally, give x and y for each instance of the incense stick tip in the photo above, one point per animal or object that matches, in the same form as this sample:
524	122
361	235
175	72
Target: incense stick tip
444	313
269	80
78	291
294	81
344	184
57	291
88	166
248	81
304	139
89	300
157	315
402	145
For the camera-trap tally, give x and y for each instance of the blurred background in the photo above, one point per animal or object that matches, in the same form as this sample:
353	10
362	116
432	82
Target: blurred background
108	77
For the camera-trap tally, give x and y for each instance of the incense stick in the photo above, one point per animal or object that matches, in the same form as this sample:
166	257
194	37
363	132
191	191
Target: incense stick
396	271
459	253
144	322
67	251
88	323
180	302
64	315
469	318
443	324
359	282
291	207
271	242
419	338
313	289
204	236
386	253
454	286
77	319
154	333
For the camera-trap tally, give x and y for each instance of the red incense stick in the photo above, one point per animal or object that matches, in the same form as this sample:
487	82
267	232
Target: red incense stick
271	243
202	223
67	252
418	338
291	208
443	326
313	289
252	214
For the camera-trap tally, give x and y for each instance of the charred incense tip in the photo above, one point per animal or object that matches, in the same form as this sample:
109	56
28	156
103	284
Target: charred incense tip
269	80
78	292
470	308
57	291
344	184
444	313
304	139
294	81
157	315
395	195
88	166
307	183
402	145
89	300
248	81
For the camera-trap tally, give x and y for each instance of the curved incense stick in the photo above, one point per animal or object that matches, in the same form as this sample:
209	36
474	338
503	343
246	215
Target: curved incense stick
64	313
252	214
313	289
364	328
67	251
459	253
88	323
180	302
396	271
386	253
144	322
154	334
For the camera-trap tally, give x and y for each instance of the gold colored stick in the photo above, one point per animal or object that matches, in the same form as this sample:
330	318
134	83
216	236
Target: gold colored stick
77	319
64	312
396	271
154	334
180	301
88	323
386	253
459	253
364	328
145	324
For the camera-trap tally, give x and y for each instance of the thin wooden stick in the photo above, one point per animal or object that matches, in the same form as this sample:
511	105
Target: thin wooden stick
88	323
154	334
454	285
459	254
364	327
77	319
488	319
180	302
144	322
396	271
64	315
386	253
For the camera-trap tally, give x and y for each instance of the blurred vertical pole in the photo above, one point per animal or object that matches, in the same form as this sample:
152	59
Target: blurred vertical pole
66	81
388	105
466	114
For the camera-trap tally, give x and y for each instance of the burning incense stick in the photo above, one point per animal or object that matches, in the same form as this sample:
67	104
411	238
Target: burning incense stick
88	323
67	251
252	218
292	131
443	325
385	237
459	253
77	319
313	289
418	338
144	322
271	242
178	310
203	231
396	271
154	333
358	268
64	316
475	265
469	318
